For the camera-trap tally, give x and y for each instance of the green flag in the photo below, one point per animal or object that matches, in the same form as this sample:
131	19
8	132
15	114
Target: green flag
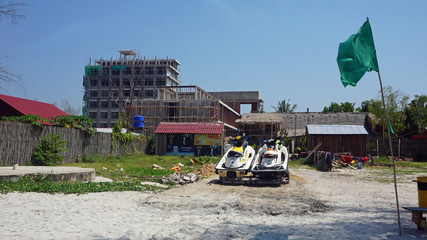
357	55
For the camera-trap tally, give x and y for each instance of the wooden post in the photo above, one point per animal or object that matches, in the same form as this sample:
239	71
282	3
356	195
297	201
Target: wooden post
315	149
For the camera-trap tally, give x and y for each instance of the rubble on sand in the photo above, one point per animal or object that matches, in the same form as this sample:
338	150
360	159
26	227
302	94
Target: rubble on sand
184	178
181	178
206	170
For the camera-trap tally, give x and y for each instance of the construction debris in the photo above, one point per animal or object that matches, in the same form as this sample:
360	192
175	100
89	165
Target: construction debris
154	166
181	178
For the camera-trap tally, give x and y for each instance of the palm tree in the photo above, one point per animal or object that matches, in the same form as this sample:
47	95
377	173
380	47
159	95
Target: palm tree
284	107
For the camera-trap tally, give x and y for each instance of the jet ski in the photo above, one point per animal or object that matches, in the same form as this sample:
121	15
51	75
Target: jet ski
237	161
271	162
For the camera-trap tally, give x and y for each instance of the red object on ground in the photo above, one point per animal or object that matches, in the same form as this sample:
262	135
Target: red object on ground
176	168
346	159
364	160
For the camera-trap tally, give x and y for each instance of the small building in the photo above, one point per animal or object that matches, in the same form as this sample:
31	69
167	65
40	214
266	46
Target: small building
295	123
189	138
13	106
338	138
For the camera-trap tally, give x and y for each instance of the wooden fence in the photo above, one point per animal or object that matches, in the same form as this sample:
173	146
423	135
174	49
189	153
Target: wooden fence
403	147
18	141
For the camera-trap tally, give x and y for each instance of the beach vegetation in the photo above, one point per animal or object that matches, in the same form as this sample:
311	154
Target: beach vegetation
128	172
47	152
141	166
43	184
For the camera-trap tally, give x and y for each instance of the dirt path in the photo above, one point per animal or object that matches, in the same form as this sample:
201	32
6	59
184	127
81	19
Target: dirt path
315	205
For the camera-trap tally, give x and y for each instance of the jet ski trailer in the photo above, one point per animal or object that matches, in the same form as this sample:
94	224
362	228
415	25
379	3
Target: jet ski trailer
271	163
236	162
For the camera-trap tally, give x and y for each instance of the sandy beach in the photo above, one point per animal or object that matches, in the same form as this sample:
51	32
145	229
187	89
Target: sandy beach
342	204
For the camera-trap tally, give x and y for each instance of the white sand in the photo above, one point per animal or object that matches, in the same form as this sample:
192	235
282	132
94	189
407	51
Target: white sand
331	205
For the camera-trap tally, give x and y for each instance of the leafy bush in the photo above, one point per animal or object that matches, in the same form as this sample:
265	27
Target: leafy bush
47	151
69	121
123	139
31	119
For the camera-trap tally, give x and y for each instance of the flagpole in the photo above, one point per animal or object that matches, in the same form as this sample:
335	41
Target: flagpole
391	151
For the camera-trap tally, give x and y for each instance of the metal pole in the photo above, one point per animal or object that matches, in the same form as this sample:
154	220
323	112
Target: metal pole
391	151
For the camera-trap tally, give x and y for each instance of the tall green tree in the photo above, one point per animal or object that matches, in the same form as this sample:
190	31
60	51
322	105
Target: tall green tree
339	107
396	103
364	106
284	107
416	114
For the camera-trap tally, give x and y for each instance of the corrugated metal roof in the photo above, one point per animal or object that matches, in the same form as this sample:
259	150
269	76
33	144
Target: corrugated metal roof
336	129
300	120
190	127
25	106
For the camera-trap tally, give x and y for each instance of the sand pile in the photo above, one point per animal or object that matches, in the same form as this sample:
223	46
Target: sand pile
206	170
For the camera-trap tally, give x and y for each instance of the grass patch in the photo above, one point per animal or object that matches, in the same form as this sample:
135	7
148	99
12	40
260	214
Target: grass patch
406	171
42	184
132	167
127	172
298	163
384	161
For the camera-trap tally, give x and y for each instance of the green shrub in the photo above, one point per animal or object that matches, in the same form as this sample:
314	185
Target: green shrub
47	151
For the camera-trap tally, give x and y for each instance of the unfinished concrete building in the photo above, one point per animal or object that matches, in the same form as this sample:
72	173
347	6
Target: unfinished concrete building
184	104
129	86
111	85
235	99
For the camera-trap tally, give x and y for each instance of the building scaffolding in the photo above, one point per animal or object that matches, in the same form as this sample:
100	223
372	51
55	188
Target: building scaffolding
182	104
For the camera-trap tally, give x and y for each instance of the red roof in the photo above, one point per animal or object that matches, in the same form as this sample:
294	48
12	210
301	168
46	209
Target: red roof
25	107
190	127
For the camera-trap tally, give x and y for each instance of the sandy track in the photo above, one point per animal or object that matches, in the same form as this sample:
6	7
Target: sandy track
333	205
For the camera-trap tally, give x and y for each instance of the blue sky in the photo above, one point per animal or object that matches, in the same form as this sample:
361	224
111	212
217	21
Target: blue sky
283	49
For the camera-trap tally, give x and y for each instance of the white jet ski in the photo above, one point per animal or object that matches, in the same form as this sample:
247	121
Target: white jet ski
271	163
237	161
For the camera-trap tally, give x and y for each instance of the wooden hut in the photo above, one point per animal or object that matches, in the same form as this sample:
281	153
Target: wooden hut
338	138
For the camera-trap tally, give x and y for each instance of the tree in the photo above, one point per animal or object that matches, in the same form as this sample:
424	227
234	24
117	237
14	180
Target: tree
66	106
342	107
8	77
284	107
396	102
347	107
364	106
10	10
416	114
334	107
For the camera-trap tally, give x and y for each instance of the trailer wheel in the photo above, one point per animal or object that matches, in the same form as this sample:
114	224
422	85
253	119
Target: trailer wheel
285	180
